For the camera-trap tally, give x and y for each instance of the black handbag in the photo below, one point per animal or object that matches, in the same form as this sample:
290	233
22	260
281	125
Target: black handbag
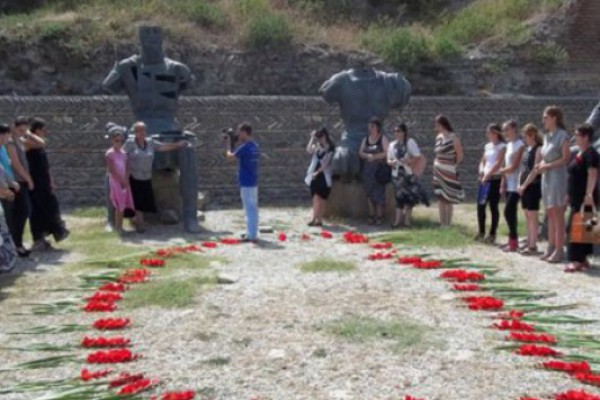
383	174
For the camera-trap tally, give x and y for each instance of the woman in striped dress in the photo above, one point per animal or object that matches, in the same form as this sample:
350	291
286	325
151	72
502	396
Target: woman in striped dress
448	155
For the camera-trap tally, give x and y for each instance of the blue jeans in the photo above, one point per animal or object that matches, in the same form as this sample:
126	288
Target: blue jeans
250	202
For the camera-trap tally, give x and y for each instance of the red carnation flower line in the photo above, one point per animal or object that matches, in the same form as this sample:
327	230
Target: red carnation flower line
152	262
125	378
532	350
569	367
113	287
111	356
531	338
103	342
484	303
185	395
135	276
137	387
110	296
112	323
466	287
355	238
381	246
576	395
587	378
513	325
461	275
326	235
100	306
87	375
381	256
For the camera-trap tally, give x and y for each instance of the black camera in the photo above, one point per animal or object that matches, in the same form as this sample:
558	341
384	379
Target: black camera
231	134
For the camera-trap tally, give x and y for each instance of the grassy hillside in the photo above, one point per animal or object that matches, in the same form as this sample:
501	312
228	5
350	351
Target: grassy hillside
412	32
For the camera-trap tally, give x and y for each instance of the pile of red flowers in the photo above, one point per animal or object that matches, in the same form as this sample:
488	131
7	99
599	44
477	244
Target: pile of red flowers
111	356
125	378
135	276
531	338
186	395
100	342
431	264
87	375
569	367
466	288
111	324
460	275
537	351
381	255
409	260
587	378
136	387
483	303
576	395
513	325
113	287
106	296
100	306
381	246
152	262
355	238
326	235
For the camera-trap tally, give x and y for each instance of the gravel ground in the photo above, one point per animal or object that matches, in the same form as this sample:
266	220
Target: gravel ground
262	337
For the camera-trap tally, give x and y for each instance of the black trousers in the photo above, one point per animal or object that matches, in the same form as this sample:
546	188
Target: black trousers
20	214
510	214
493	199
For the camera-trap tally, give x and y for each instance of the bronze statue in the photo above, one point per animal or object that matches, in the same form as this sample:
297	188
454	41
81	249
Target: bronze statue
153	84
362	93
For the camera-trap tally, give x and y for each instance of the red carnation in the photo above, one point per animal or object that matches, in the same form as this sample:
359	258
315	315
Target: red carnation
187	395
461	275
537	351
135	276
569	367
111	356
305	236
381	256
117	341
409	260
125	378
411	398
531	338
152	262
228	241
355	238
587	378
282	237
106	296
513	325
466	288
137	387
381	246
212	245
100	306
87	375
484	303
113	287
111	323
576	395
432	264
326	234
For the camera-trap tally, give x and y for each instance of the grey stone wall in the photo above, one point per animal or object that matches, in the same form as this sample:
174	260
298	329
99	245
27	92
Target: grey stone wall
282	125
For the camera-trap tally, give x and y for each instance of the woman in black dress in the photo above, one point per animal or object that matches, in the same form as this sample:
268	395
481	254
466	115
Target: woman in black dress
318	175
45	216
583	175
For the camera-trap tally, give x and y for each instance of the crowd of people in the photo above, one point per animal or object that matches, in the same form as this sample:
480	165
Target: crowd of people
26	191
526	167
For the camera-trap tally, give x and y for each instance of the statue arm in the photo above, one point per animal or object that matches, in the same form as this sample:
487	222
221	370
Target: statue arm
399	90
113	83
331	90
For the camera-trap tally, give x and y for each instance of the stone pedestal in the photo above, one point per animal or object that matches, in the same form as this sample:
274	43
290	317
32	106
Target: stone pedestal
165	184
349	200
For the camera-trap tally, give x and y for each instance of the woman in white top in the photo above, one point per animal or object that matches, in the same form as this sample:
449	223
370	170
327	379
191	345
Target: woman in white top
407	163
318	175
510	181
489	187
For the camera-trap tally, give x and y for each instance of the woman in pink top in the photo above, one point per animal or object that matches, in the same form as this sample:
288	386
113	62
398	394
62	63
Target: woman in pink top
116	161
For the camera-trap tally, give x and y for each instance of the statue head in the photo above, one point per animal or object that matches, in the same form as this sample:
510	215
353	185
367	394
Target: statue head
151	41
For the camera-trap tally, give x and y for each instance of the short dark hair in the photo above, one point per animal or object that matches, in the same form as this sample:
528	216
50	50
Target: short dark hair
497	129
4	129
246	127
444	122
585	130
21	120
377	122
36	124
512	123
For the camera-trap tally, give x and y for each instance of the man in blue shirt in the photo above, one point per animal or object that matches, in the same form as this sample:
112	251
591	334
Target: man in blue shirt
247	154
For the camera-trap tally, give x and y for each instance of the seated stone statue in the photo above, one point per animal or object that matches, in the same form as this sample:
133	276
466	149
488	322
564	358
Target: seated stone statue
362	93
153	84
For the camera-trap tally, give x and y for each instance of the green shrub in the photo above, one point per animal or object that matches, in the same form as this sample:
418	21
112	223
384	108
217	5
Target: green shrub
53	30
200	12
401	47
252	8
268	30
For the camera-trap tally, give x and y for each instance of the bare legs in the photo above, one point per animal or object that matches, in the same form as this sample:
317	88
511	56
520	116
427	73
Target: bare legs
118	221
532	228
556	234
446	209
318	209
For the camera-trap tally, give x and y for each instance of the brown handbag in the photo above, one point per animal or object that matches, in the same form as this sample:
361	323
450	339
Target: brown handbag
584	227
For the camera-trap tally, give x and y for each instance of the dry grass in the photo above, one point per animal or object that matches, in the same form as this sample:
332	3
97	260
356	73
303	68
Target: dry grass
327	265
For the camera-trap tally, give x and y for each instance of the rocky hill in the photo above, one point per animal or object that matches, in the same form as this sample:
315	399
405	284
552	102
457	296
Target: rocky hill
290	46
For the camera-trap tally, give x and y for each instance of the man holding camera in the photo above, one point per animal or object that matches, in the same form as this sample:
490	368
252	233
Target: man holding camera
247	153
